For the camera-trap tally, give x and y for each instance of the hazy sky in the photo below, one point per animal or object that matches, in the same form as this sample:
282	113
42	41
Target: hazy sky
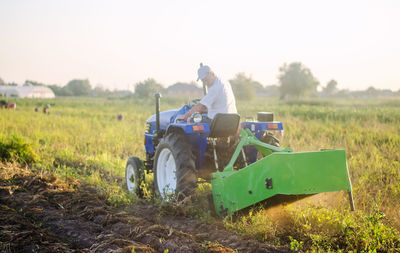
119	43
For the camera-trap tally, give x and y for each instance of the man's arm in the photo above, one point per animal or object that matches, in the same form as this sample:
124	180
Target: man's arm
197	108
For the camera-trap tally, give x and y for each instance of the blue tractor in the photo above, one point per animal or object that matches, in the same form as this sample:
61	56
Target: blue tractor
243	160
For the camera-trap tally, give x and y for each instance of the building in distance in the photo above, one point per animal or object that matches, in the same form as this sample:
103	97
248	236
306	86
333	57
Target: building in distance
26	91
184	90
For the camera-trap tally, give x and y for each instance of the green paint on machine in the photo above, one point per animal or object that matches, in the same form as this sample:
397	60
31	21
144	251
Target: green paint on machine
280	171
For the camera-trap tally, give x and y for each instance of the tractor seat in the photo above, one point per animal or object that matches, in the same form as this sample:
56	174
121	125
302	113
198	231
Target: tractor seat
224	125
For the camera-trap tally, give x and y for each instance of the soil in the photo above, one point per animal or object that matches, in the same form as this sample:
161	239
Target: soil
42	214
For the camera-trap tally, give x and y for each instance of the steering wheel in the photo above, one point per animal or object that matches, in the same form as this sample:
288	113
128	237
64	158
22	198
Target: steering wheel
179	120
194	101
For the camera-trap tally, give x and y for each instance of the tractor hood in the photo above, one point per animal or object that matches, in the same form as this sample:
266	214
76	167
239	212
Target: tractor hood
165	118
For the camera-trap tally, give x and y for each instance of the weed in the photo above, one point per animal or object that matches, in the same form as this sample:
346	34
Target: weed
295	245
325	229
16	149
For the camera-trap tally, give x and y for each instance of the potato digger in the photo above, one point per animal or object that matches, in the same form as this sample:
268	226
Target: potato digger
244	167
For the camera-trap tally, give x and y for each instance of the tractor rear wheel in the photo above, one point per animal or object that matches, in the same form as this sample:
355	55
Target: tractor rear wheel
270	139
174	167
134	176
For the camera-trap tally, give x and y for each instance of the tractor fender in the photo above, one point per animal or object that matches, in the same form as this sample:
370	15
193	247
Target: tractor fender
197	139
172	128
190	128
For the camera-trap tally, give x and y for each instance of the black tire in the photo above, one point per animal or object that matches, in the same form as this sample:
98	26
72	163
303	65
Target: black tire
177	145
134	176
270	139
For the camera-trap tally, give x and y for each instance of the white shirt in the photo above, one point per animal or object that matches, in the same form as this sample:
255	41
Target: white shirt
219	99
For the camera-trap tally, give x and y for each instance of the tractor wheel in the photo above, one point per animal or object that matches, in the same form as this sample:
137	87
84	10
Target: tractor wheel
134	176
270	139
174	167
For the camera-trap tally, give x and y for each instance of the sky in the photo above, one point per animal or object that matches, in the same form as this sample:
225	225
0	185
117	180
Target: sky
116	44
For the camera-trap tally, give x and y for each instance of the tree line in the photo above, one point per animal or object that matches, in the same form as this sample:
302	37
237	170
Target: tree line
295	81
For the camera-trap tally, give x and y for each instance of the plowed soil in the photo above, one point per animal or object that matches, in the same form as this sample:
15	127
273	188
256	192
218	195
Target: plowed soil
41	214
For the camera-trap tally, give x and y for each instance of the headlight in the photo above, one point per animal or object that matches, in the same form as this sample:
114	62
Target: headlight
197	117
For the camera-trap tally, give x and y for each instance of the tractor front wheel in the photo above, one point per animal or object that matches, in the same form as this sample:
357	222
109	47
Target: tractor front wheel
134	176
174	167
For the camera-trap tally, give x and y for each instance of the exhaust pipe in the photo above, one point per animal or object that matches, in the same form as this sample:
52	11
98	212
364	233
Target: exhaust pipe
157	96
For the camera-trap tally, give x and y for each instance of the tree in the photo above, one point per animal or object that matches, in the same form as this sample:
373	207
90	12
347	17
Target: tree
77	87
147	88
331	88
2	82
243	86
58	91
33	83
99	91
371	92
258	87
271	90
296	80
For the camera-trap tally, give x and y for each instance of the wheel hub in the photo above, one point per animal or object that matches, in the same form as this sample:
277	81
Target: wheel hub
166	174
130	178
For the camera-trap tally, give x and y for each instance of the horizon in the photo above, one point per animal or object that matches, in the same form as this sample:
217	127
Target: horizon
118	44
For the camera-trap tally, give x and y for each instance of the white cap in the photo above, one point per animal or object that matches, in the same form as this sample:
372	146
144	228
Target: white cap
203	71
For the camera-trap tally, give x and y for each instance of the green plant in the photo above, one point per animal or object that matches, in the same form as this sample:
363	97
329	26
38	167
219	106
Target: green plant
324	229
295	245
16	149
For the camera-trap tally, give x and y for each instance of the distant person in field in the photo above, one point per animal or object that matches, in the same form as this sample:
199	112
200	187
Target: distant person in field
46	109
3	104
219	99
12	106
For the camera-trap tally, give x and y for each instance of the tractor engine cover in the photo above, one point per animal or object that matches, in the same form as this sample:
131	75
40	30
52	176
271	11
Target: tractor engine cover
265	116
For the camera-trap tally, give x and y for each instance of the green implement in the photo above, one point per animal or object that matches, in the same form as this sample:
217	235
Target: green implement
280	171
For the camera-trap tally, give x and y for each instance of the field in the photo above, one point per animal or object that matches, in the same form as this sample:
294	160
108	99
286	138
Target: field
72	189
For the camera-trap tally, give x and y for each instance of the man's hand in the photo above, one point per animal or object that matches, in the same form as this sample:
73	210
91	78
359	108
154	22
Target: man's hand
197	108
183	117
180	117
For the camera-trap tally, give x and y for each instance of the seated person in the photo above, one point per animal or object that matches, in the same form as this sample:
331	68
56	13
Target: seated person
219	99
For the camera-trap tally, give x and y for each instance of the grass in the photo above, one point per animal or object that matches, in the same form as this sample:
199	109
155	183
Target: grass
82	138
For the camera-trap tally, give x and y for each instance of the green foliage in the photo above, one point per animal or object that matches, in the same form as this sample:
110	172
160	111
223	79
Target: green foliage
11	84
33	83
331	88
77	87
323	229
147	88
295	245
296	80
256	224
2	82
16	149
372	92
58	91
243	87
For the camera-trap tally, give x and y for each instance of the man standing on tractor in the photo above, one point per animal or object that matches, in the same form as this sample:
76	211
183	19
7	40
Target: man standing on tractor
219	99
